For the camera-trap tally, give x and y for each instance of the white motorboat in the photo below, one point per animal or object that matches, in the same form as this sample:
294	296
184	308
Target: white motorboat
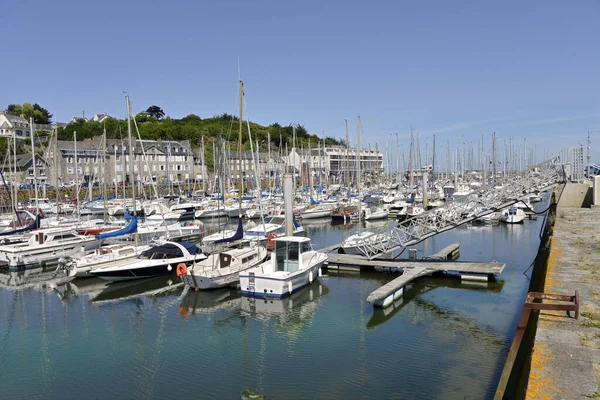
158	226
293	264
371	215
223	269
45	246
354	244
491	218
156	261
513	215
274	225
210	212
316	212
535	198
111	255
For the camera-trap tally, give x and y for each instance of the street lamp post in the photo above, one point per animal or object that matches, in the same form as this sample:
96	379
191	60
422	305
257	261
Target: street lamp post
589	142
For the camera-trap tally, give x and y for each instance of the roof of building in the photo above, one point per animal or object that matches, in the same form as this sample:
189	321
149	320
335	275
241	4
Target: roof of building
23	162
96	144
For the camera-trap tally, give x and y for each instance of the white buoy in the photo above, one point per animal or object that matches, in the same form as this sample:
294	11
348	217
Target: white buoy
473	277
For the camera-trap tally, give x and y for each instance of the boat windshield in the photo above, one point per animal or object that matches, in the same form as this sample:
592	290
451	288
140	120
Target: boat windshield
287	255
512	211
276	220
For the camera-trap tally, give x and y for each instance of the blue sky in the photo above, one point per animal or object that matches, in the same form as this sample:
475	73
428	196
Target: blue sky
455	68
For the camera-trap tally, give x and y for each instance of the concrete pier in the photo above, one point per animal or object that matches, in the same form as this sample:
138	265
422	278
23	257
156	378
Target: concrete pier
565	360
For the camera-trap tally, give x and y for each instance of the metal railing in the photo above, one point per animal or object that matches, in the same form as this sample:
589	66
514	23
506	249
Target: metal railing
479	203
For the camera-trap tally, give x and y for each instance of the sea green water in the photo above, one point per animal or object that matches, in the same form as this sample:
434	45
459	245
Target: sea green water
151	339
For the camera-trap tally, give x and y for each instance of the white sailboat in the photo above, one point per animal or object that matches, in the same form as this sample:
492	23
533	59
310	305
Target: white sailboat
353	243
223	269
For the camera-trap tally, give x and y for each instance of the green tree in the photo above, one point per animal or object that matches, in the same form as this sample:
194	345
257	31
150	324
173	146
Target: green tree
39	114
156	112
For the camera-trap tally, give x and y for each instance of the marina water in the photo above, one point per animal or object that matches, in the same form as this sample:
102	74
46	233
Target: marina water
150	339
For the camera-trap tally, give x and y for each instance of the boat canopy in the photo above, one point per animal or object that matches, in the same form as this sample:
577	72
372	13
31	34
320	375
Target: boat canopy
239	234
131	228
169	250
313	202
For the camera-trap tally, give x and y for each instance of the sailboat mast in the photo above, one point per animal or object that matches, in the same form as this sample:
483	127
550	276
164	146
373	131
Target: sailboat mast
494	155
104	171
55	162
131	165
16	187
76	173
358	174
433	168
33	164
410	162
269	164
240	148
347	157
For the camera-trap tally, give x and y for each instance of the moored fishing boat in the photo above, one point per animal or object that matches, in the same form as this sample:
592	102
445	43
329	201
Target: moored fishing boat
293	265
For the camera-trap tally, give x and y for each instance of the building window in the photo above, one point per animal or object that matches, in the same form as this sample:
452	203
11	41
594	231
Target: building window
69	170
162	167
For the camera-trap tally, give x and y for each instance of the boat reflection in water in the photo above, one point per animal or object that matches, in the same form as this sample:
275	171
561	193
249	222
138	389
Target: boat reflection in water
120	291
42	277
294	311
207	301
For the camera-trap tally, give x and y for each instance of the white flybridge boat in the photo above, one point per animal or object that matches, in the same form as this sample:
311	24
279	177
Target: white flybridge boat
45	246
513	215
293	263
223	269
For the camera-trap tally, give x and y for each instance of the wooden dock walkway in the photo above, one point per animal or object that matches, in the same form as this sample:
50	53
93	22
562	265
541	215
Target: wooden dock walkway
449	252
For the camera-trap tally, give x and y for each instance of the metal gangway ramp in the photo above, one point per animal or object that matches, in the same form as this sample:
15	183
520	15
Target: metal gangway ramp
481	202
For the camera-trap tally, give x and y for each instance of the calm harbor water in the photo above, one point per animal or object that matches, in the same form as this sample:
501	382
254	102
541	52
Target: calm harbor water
152	339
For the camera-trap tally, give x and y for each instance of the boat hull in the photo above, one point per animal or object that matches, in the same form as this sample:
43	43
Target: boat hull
273	287
315	214
139	273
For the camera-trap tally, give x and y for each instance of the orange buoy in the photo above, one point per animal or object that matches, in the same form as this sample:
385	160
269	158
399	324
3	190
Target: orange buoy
181	269
270	242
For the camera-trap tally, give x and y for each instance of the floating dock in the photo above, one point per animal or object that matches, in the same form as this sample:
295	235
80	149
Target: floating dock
411	270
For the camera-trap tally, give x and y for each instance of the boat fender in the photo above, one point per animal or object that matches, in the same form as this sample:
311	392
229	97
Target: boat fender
310	276
320	272
290	287
181	269
169	268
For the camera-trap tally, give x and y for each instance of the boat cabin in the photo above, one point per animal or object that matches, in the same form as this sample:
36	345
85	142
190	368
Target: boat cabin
169	250
53	235
512	211
226	258
288	252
